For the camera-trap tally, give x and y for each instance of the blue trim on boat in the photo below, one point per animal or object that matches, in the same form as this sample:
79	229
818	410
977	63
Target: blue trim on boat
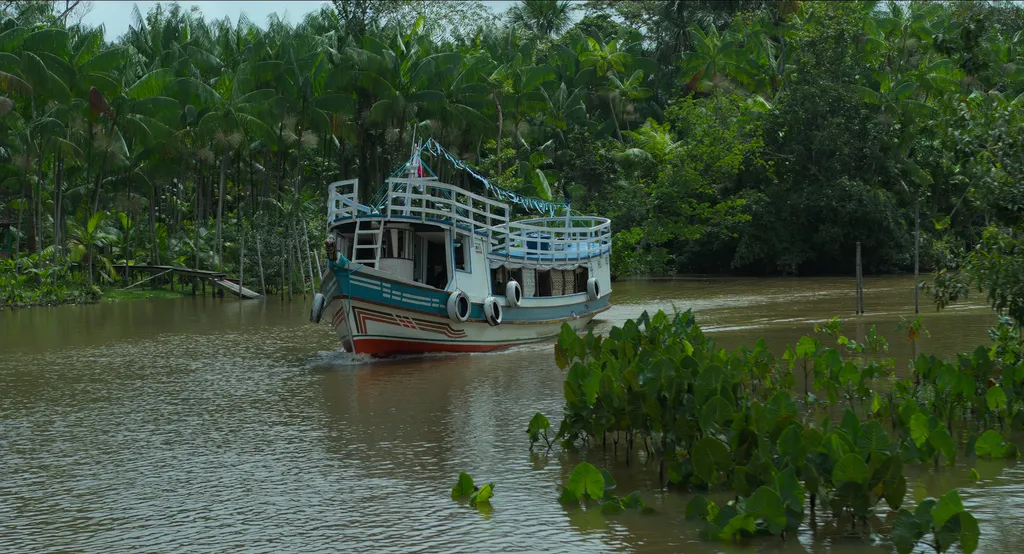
434	302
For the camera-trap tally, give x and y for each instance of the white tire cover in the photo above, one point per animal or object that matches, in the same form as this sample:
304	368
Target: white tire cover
513	293
458	306
492	311
593	289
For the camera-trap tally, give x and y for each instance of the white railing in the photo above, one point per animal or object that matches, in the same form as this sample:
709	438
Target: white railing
428	199
554	239
343	202
545	239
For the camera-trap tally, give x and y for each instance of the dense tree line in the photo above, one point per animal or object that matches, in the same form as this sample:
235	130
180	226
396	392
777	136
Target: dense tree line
749	136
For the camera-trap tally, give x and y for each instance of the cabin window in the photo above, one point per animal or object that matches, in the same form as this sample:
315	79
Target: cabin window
461	251
543	283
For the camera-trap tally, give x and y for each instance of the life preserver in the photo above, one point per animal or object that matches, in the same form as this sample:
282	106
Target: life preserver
513	293
593	289
492	311
317	311
458	306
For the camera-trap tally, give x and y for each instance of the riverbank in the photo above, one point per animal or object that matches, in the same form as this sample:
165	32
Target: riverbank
49	296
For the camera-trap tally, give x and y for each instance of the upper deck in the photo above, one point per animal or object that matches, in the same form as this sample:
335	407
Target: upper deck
564	239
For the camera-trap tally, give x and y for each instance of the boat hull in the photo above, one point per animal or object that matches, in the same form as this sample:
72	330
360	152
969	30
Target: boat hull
383	317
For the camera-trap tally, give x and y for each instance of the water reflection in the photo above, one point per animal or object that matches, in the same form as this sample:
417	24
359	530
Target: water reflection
218	424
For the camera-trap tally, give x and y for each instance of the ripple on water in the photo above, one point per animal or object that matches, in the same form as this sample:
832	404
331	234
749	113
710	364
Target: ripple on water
163	426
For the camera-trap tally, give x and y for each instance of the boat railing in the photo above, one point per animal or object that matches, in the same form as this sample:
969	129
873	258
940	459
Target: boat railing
561	239
428	199
343	201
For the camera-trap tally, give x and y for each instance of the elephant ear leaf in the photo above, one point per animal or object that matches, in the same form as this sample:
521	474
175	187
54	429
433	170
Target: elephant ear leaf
464	487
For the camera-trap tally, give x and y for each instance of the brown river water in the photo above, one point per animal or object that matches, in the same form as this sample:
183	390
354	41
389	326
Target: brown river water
220	425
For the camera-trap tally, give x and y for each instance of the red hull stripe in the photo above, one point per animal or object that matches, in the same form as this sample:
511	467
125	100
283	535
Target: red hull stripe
387	347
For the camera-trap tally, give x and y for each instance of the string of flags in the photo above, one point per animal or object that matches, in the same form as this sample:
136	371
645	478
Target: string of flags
528	202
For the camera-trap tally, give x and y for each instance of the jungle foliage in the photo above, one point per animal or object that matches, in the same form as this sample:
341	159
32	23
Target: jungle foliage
750	136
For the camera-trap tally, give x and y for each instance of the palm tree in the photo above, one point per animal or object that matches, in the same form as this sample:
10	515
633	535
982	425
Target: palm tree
546	18
87	239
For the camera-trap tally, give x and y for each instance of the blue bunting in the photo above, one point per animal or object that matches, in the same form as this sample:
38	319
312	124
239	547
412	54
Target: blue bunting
530	203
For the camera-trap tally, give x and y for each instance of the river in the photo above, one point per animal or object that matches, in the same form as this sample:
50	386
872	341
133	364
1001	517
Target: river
213	424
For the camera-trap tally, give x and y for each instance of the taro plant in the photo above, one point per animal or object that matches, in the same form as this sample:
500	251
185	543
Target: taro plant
538	430
588	484
773	509
726	421
478	496
945	519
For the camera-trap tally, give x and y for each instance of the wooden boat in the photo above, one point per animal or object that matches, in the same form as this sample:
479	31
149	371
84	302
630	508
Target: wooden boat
431	267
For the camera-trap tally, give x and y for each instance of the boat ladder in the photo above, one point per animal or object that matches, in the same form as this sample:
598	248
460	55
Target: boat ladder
367	242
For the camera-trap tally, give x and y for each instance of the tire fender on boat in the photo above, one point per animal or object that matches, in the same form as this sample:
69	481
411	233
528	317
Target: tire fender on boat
593	289
492	311
513	293
458	306
317	311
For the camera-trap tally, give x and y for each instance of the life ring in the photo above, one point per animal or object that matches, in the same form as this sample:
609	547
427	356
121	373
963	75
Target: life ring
458	306
317	311
513	293
593	289
492	311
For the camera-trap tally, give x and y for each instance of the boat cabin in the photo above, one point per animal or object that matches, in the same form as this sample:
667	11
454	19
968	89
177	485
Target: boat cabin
422	231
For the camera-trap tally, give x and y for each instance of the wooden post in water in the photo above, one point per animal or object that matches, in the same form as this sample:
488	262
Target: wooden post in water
917	252
860	284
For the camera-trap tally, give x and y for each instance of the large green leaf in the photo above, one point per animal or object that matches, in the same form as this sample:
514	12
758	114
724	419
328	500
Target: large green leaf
151	84
995	398
850	469
52	40
710	456
780	405
766	503
106	60
948	506
35	72
12	39
969	533
940	439
919	428
483	495
873	438
715	414
464	487
906	531
585	479
991	445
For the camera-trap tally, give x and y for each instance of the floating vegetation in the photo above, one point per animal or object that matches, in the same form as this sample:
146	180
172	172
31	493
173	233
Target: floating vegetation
727	421
478	496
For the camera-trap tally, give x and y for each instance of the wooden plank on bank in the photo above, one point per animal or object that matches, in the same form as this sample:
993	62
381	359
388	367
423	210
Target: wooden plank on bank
235	289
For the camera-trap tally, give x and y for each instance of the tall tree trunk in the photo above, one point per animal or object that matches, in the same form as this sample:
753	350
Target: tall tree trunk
225	158
152	224
241	249
266	175
56	212
614	118
21	212
501	121
195	239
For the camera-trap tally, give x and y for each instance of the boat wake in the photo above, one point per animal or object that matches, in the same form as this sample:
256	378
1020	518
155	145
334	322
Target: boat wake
336	359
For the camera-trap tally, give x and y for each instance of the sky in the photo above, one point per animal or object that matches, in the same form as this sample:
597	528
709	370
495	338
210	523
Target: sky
116	16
